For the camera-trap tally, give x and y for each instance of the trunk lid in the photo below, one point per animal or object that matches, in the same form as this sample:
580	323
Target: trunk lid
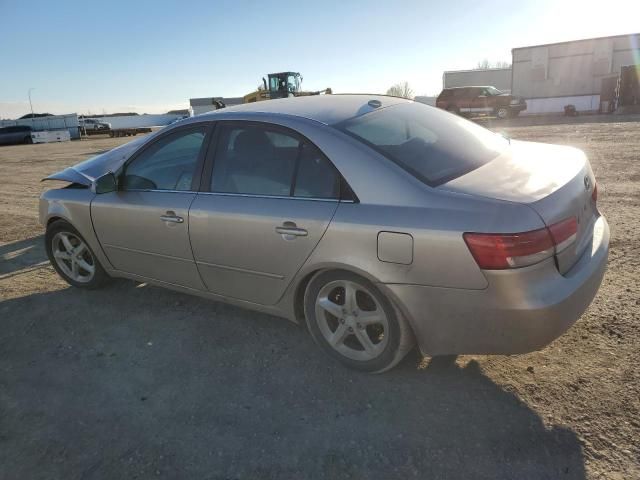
556	181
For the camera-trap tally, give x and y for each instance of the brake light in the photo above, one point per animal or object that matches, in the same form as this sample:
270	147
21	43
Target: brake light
500	251
564	233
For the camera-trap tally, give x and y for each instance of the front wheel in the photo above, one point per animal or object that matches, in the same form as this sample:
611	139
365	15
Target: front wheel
72	257
355	323
502	113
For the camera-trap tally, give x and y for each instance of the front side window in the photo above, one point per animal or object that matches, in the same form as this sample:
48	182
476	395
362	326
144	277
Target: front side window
433	146
492	91
169	164
257	160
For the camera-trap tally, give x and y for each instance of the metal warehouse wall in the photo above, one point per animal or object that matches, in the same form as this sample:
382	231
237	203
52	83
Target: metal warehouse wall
55	122
496	77
570	72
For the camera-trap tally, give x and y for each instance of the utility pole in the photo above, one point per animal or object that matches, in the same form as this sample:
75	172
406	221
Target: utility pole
31	105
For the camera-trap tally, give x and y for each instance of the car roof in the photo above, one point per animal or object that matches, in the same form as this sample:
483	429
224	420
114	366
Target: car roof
328	109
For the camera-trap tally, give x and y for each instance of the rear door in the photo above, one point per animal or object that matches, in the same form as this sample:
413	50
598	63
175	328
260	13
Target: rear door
144	226
481	102
264	208
464	98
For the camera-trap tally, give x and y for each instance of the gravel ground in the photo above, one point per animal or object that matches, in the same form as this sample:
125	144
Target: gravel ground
135	382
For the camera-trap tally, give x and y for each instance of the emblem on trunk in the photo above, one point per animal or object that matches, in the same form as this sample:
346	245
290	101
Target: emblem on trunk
587	182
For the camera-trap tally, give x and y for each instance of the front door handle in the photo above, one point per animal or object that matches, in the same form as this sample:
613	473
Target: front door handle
171	216
290	229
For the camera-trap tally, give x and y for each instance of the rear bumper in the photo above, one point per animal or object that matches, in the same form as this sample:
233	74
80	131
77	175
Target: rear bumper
520	311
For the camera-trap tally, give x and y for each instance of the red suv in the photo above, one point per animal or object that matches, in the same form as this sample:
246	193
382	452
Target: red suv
480	101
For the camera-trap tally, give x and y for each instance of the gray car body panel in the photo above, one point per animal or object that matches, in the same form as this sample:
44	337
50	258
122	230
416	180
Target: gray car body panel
344	235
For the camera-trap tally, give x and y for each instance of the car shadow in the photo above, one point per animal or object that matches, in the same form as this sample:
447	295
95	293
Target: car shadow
137	381
22	255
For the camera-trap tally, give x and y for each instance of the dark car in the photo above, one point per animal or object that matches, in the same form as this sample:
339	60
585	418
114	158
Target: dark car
480	101
15	134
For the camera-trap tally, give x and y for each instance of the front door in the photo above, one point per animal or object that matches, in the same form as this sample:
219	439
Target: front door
270	200
144	226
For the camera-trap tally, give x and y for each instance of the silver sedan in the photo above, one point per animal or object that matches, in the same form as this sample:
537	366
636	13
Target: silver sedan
377	221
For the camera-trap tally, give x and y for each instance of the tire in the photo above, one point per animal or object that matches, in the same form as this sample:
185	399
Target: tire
62	260
27	140
388	339
503	113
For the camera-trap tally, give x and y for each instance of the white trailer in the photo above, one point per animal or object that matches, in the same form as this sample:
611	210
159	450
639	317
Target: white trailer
49	136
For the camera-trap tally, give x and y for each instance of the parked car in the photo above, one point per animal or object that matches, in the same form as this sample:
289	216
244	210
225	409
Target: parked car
93	125
15	134
480	101
377	221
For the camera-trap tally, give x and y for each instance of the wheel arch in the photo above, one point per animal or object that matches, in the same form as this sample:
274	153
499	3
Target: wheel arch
304	278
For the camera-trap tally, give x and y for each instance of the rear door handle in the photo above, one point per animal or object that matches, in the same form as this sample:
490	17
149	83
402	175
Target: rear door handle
290	229
171	217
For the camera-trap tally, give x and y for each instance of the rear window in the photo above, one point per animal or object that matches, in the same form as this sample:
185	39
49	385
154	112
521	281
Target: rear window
433	145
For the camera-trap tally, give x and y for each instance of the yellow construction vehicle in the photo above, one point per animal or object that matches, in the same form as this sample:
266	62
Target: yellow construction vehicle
281	85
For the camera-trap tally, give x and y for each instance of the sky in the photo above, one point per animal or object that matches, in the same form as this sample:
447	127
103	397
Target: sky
97	57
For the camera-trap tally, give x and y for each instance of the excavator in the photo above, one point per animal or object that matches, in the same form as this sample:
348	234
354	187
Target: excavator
281	85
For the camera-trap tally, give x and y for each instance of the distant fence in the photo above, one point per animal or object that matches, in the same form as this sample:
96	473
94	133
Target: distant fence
55	122
135	121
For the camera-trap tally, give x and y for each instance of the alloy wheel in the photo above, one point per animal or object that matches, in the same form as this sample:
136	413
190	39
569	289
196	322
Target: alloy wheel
351	320
73	257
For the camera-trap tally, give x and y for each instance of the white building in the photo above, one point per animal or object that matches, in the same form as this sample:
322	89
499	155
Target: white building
579	72
495	77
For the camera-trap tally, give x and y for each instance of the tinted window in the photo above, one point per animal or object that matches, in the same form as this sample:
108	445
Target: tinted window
257	160
254	160
432	145
168	164
316	176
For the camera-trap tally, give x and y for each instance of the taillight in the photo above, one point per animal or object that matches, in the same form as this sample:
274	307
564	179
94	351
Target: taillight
499	251
564	233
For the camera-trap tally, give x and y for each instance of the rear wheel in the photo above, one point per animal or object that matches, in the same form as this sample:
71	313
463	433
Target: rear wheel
355	323
72	257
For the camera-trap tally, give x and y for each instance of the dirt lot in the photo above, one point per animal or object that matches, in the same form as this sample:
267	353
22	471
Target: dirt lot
136	382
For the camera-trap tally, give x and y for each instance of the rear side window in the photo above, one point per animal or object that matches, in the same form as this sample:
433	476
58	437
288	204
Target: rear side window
433	146
257	160
316	176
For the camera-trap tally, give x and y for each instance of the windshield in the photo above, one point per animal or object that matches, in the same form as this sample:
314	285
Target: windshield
433	145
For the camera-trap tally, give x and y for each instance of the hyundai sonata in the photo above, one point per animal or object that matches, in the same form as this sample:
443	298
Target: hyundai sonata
377	221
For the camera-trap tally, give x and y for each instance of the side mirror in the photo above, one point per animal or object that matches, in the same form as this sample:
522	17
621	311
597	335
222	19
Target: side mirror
106	183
